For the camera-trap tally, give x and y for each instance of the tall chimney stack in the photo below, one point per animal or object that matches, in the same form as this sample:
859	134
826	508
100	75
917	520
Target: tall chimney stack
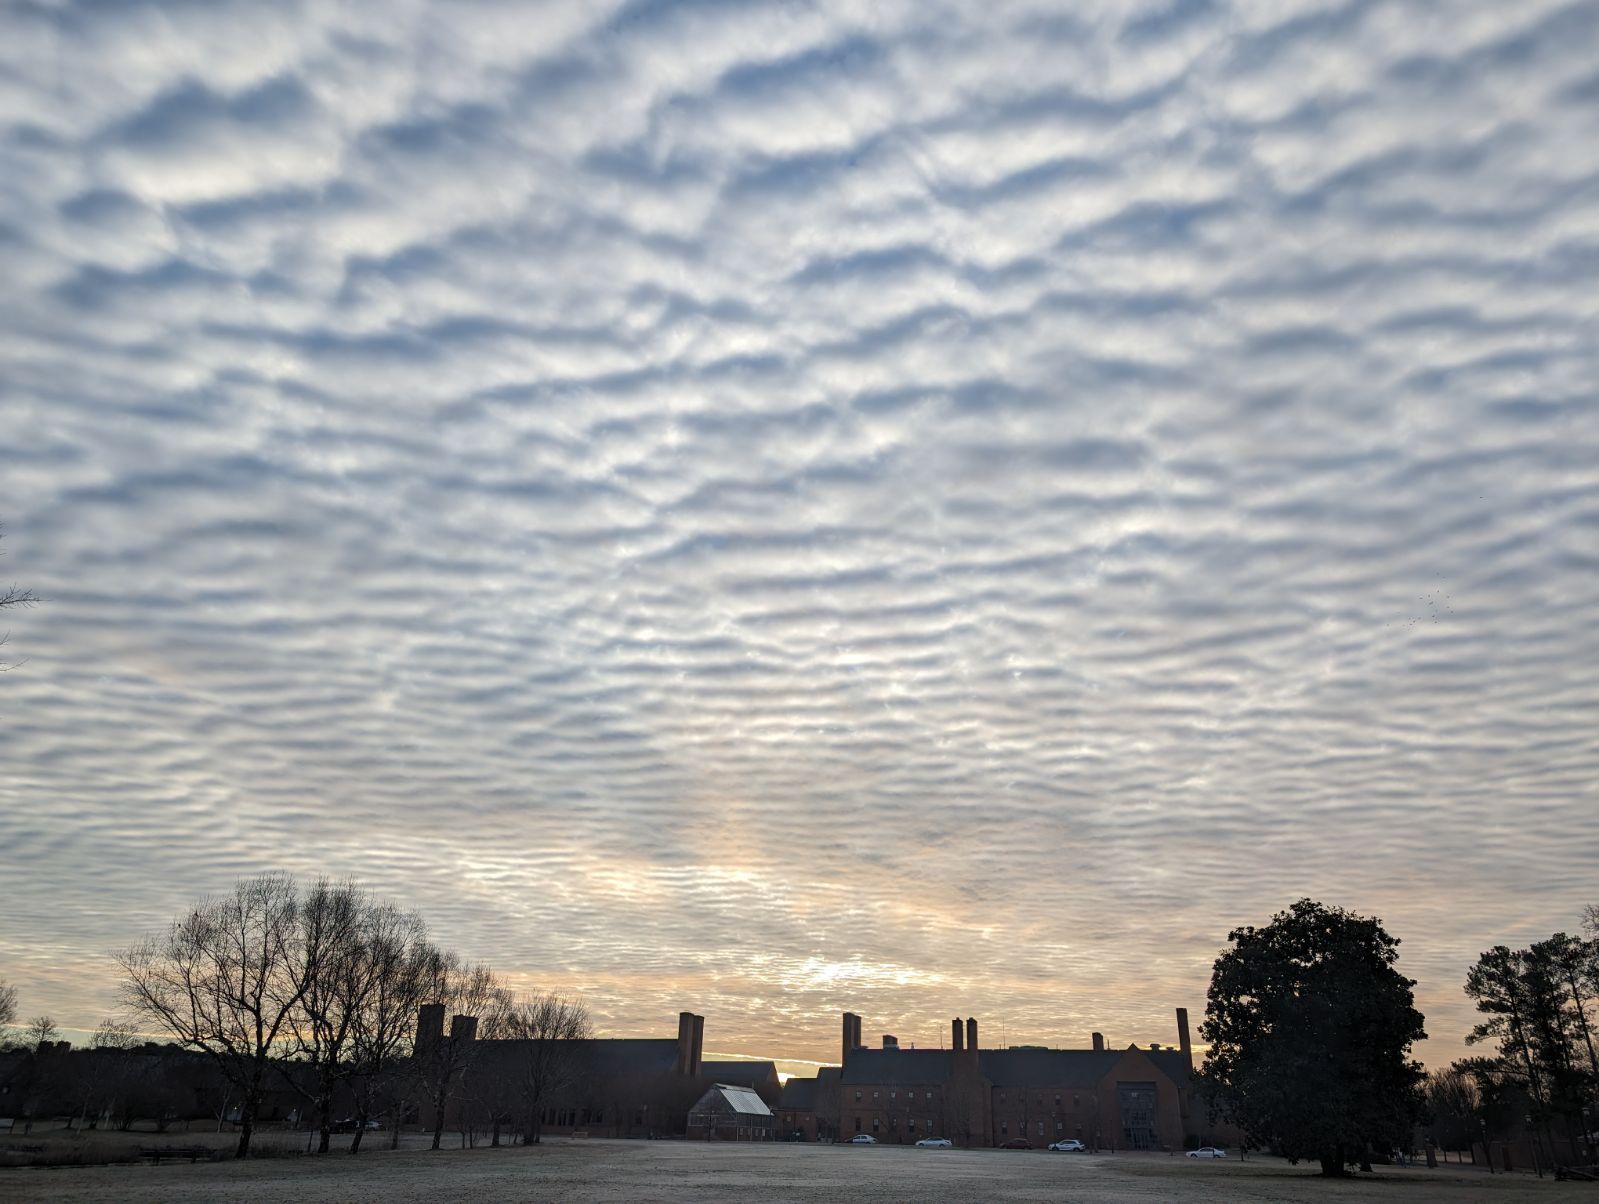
697	1052
685	1043
429	1026
971	1036
852	1033
1183	1042
1099	1042
957	1035
463	1028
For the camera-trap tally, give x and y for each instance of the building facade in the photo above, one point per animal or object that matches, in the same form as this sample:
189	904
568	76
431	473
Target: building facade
1137	1099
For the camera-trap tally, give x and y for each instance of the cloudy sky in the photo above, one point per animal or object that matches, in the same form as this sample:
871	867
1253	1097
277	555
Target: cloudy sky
777	508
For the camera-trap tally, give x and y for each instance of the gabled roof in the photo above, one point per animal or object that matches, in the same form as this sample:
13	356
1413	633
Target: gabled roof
739	1100
803	1095
1173	1064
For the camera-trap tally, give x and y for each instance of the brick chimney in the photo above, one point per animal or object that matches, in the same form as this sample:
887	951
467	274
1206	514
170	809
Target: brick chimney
1099	1042
463	1029
971	1036
685	1043
1183	1043
852	1034
429	1026
697	1054
957	1035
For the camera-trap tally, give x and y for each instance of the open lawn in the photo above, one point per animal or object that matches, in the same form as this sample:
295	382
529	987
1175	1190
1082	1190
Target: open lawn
640	1172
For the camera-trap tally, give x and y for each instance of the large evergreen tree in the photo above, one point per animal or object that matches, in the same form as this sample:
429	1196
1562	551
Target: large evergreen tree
1310	1028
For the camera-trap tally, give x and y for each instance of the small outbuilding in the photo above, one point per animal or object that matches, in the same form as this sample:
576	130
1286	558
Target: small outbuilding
728	1113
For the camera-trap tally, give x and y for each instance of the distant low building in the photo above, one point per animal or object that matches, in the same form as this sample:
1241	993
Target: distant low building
728	1113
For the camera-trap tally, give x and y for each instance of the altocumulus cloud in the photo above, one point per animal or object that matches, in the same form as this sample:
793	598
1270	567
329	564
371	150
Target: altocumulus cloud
777	508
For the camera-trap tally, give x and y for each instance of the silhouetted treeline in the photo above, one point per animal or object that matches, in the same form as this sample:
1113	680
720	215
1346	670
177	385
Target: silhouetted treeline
1538	1007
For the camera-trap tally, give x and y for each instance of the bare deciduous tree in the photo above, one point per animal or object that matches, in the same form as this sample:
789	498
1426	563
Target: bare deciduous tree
8	1003
226	979
543	1059
40	1031
102	1072
12	596
334	920
383	1022
441	1063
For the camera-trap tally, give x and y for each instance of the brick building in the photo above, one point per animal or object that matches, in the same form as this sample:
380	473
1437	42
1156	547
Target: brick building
1108	1099
619	1086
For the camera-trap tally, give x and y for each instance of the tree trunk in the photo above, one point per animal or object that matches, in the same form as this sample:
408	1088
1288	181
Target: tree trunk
438	1118
360	1129
1334	1166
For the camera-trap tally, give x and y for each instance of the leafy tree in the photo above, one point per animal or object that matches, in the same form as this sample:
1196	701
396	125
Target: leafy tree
1536	1007
1310	1029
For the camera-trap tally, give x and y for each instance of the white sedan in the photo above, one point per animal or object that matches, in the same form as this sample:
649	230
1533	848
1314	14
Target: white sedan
934	1143
863	1139
1207	1151
1069	1146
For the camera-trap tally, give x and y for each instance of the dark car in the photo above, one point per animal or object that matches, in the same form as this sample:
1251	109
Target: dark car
1016	1143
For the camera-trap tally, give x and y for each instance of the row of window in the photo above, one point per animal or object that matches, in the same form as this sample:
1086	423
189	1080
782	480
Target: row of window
893	1124
910	1096
1021	1098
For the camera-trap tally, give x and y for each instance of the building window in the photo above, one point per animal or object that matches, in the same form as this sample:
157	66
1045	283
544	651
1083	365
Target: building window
1004	1128
929	1097
1040	1128
857	1124
1057	1101
876	1095
857	1095
875	1125
891	1095
1060	1126
911	1124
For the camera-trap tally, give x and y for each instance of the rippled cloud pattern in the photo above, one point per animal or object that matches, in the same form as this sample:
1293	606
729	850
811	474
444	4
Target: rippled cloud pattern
789	507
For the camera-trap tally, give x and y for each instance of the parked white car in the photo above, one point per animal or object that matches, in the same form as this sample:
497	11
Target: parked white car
934	1143
1069	1146
1207	1151
863	1139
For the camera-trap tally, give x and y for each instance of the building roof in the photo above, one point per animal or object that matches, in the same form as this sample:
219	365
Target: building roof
606	1057
1024	1068
746	1074
1172	1062
725	1097
898	1067
1017	1068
